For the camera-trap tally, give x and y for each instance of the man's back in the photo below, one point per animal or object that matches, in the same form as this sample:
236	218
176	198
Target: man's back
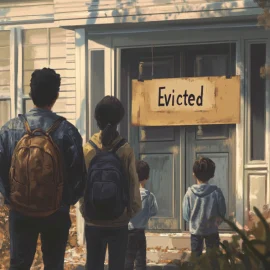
66	143
66	138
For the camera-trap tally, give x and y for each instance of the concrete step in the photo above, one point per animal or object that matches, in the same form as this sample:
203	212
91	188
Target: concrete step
149	267
162	249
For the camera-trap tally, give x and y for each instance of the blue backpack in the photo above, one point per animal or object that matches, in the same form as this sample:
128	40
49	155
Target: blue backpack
107	190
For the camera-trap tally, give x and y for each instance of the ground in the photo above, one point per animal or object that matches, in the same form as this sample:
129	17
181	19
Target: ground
75	255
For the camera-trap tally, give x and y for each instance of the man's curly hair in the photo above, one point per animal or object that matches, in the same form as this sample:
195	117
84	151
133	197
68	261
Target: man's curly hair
204	169
44	87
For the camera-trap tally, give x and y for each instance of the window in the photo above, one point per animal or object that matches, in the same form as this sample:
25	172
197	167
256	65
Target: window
42	48
257	101
97	80
5	94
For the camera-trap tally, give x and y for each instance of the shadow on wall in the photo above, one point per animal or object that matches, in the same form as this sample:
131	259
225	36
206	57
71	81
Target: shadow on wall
3	18
133	12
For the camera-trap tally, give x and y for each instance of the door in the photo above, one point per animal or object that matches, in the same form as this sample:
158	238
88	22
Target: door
158	146
214	141
171	151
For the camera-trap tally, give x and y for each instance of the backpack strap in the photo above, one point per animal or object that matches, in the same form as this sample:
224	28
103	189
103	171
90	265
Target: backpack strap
118	145
94	145
25	123
55	125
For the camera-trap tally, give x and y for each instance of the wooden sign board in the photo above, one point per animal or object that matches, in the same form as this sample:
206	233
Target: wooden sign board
186	101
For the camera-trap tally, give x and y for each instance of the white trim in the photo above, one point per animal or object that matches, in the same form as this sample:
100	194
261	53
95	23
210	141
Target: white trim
113	56
239	141
13	73
267	119
108	68
20	93
185	36
161	28
248	160
117	73
33	25
81	107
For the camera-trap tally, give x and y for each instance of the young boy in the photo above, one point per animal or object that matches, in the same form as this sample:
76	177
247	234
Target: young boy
136	250
203	206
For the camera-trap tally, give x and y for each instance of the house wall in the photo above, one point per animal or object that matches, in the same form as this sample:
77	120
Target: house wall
69	53
138	11
32	40
26	11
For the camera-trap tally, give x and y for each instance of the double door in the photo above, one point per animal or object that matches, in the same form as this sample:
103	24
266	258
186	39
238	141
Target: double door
171	151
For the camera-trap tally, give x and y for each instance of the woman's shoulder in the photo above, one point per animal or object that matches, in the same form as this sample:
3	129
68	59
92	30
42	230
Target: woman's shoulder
126	147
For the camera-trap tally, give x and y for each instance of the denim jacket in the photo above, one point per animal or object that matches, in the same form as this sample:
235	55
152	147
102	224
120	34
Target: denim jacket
67	139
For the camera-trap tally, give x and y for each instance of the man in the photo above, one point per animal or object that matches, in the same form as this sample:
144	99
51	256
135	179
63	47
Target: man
42	173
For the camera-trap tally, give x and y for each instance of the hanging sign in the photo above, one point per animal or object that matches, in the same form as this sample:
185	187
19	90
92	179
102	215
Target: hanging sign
186	101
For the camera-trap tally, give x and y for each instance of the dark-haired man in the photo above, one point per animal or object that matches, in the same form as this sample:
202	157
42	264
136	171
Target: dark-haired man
42	173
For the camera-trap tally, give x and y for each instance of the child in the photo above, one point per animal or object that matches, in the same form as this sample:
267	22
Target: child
203	206
136	250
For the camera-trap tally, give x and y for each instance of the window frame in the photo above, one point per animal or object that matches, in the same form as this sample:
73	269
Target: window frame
249	162
11	96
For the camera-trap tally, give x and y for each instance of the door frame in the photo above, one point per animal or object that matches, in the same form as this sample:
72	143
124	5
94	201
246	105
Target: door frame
184	149
239	145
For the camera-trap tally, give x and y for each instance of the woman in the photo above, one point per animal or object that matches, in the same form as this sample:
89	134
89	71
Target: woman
112	233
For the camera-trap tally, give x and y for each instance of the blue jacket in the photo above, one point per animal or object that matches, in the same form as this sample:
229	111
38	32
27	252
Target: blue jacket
149	209
66	137
203	206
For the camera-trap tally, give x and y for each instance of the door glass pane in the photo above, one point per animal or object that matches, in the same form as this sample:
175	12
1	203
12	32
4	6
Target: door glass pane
210	65
220	64
157	68
257	101
4	111
212	132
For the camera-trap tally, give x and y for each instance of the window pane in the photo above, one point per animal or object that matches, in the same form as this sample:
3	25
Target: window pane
4	111
97	82
257	101
211	65
4	62
28	105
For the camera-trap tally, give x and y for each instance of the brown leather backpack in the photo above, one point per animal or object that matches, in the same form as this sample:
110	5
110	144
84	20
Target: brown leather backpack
36	173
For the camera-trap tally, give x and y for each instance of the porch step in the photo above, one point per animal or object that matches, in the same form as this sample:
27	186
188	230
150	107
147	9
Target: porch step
149	267
162	250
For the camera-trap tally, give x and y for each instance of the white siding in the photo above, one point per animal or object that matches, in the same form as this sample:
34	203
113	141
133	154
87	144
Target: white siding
134	11
25	11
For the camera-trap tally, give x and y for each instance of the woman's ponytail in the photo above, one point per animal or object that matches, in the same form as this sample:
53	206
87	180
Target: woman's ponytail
108	134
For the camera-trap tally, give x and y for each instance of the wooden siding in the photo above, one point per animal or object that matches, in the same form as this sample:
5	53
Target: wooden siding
68	12
15	12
